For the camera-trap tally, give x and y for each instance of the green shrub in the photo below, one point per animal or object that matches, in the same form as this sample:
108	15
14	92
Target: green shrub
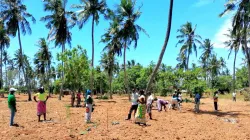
103	97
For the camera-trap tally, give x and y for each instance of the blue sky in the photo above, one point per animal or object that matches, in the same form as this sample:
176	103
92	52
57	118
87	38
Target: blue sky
154	20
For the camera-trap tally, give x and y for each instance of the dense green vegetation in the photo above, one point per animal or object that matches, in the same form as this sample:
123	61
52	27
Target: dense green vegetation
77	72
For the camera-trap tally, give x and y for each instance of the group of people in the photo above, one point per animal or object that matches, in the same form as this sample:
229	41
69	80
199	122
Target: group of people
140	106
41	98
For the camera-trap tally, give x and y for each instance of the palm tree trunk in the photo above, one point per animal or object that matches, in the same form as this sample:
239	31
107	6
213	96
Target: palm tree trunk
93	53
1	71
187	61
163	47
124	64
61	89
234	71
6	76
110	86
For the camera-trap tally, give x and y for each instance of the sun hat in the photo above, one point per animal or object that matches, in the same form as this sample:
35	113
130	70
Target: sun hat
13	89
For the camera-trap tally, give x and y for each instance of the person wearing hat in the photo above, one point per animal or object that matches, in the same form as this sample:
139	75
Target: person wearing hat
41	103
12	105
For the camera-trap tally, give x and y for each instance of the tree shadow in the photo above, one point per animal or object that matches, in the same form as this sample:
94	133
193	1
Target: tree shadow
107	101
220	113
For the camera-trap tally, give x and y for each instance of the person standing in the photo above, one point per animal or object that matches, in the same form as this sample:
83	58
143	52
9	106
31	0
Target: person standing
73	97
234	96
41	103
150	101
78	99
216	100
12	105
89	108
197	102
140	117
134	97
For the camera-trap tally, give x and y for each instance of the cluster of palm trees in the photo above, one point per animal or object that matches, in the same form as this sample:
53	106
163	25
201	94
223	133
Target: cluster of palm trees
123	31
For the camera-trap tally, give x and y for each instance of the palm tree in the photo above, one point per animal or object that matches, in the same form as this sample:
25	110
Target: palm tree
6	60
182	61
59	23
129	30
107	63
214	68
233	44
240	24
4	43
207	52
188	39
163	47
18	60
88	9
43	61
15	15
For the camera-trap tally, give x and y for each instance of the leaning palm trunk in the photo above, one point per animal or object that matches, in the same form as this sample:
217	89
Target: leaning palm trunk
163	47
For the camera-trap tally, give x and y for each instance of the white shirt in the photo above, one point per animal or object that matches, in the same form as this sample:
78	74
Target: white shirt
234	94
134	98
150	99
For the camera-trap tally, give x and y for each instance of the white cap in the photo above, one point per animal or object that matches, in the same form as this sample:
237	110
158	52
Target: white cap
13	89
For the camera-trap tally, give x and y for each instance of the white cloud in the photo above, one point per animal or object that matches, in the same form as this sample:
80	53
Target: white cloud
220	37
201	3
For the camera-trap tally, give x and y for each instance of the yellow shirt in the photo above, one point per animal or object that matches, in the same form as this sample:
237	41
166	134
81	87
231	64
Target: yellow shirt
42	97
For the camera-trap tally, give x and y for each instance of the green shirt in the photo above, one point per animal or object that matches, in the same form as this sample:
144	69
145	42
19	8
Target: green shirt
41	96
11	101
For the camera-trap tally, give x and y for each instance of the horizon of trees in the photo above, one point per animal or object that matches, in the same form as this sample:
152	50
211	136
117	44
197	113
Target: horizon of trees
77	71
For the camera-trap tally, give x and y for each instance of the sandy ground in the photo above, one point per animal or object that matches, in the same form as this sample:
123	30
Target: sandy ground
68	123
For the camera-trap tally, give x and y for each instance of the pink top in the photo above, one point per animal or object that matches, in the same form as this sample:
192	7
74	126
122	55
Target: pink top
78	95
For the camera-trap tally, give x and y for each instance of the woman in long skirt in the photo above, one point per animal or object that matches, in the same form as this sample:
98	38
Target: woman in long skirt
140	117
89	108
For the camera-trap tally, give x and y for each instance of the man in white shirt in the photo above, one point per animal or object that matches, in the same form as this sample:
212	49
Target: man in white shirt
149	105
234	96
134	98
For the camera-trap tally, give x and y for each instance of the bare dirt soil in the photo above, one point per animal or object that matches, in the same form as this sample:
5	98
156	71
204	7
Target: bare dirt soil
231	122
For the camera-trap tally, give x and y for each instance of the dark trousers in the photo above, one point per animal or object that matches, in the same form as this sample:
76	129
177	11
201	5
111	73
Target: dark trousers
234	99
132	108
215	106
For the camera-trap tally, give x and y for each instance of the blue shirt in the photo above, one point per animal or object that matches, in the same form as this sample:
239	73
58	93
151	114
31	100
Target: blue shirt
197	97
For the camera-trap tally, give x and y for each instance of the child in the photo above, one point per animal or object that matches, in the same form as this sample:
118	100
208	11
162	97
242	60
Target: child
216	100
149	105
134	106
89	107
12	105
197	102
160	103
41	103
78	99
73	98
141	110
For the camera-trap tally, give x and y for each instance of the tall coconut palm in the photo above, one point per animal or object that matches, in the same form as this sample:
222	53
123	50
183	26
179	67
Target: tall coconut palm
188	40
233	44
16	17
240	23
163	47
129	30
108	64
59	23
18	62
90	9
43	61
6	60
4	43
207	52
